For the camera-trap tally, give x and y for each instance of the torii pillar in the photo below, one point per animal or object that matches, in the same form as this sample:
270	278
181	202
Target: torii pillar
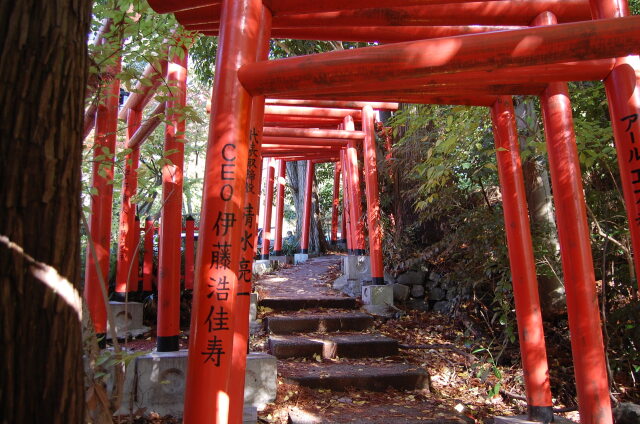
209	370
623	93
306	216
98	248
170	244
373	199
126	275
521	259
282	169
335	203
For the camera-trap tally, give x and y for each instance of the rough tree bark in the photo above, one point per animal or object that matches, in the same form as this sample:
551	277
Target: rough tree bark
296	174
539	200
43	75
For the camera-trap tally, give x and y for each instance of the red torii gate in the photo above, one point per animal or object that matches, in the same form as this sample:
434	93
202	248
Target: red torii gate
327	74
174	72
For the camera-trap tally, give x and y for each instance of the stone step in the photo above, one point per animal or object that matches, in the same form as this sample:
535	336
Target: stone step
338	377
330	346
294	304
380	412
350	321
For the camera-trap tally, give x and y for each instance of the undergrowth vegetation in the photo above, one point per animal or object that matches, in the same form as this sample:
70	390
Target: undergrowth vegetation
442	204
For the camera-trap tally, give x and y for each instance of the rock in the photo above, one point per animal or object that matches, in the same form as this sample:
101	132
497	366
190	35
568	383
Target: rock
442	307
345	400
418	305
400	292
340	283
434	276
411	278
627	413
417	291
430	284
452	293
436	293
389	279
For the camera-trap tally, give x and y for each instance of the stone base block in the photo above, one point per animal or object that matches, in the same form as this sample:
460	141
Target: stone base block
356	267
260	382
282	260
377	295
351	288
161	382
156	382
300	258
262	266
128	319
253	306
523	419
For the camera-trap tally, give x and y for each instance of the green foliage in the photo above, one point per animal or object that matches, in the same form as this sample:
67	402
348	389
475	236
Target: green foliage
449	176
324	180
489	371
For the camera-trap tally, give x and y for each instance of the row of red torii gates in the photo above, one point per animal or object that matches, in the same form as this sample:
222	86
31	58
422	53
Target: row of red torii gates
437	52
284	137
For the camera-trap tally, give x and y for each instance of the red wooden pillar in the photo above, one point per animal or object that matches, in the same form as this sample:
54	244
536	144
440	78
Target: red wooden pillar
135	275
306	218
260	179
282	170
207	396
373	199
523	269
171	219
353	175
343	224
335	203
346	204
147	261
189	244
623	94
101	204
250	228
268	207
126	280
577	263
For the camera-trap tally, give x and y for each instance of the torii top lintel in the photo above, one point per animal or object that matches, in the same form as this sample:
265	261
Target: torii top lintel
300	13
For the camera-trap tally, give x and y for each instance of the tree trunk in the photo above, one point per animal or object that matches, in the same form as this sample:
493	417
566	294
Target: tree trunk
43	74
296	174
543	224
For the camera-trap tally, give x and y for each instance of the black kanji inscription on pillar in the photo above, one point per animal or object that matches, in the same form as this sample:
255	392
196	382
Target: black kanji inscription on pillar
224	221
217	321
214	351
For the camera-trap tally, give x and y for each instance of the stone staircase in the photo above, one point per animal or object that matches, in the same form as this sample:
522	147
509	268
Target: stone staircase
335	341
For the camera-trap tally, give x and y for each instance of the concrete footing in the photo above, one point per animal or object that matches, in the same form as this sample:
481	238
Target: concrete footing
262	266
127	318
523	419
378	299
155	382
282	260
357	273
255	325
377	295
300	258
356	267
